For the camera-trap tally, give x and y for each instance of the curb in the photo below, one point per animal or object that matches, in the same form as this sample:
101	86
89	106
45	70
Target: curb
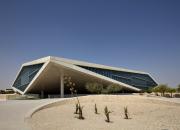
29	114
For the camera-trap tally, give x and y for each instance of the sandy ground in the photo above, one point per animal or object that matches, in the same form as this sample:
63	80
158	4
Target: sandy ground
145	114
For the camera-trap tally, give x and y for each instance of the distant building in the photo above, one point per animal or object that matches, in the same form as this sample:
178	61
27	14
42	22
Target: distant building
47	76
7	91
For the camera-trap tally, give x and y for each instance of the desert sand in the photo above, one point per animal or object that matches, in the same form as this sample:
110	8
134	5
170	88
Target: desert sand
145	114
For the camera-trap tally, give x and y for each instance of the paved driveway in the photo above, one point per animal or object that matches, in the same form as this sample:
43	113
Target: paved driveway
12	112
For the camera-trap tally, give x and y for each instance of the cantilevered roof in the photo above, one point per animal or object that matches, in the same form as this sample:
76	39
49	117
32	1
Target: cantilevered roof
73	65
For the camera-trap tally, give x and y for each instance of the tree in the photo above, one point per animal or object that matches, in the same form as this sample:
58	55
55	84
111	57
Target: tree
156	90
162	89
113	88
171	90
149	90
94	87
178	88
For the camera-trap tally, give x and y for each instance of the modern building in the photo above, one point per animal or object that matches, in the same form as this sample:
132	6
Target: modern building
48	75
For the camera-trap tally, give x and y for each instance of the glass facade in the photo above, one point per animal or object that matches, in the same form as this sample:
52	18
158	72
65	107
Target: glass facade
142	81
26	75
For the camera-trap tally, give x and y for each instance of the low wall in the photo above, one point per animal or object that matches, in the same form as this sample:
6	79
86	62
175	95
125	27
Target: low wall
9	96
17	97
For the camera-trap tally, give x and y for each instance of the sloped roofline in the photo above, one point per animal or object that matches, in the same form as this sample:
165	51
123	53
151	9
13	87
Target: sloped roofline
84	63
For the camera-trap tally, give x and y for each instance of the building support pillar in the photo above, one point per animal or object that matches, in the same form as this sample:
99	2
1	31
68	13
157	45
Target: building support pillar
42	94
62	84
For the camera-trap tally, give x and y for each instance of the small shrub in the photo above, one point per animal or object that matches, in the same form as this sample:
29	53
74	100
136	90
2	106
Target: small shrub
94	87
126	113
177	95
167	95
156	94
149	90
141	92
178	88
113	88
107	112
104	91
155	90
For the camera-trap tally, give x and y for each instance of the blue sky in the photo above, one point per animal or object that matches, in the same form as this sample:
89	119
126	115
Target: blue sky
135	34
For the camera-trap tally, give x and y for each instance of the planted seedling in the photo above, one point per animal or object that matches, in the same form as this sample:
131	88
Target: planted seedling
95	109
126	113
107	112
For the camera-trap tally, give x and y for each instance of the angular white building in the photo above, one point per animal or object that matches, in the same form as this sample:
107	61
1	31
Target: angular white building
47	75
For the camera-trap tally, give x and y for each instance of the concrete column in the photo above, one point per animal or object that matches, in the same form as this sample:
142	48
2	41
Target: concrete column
42	94
62	84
